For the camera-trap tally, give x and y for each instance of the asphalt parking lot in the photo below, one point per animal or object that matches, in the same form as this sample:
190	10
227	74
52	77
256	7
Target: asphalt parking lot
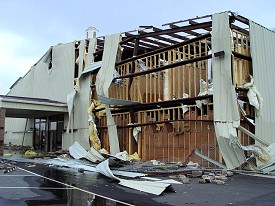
44	185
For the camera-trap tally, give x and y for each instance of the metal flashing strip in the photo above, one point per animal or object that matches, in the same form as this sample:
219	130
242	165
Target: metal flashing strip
114	101
255	137
196	152
93	67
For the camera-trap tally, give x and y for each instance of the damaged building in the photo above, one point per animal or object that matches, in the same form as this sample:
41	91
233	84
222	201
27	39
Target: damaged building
199	85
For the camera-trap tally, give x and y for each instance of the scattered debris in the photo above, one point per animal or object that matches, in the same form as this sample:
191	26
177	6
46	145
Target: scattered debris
81	170
7	166
78	152
30	153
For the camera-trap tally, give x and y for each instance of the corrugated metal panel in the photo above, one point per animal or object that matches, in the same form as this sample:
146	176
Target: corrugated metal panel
91	50
56	83
224	97
82	98
103	81
114	101
92	67
81	57
262	46
226	114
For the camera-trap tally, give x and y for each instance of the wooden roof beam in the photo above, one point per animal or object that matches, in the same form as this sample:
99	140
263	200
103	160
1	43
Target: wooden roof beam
193	23
153	41
143	43
188	32
172	35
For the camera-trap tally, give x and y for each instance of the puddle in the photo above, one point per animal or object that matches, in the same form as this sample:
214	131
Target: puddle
72	197
21	187
65	195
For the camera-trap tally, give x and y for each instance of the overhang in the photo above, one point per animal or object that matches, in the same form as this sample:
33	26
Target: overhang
27	107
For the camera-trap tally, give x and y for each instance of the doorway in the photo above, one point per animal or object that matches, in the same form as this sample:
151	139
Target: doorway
48	133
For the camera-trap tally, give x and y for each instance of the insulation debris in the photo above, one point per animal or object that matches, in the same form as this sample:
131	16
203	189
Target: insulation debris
259	152
93	136
30	153
134	156
184	107
253	95
268	164
124	156
204	90
136	130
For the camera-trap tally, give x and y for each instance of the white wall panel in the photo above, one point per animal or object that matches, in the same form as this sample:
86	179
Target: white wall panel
226	114
262	46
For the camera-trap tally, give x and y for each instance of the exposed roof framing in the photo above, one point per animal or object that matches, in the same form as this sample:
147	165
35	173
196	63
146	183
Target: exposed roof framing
186	20
159	43
150	38
194	23
188	32
172	35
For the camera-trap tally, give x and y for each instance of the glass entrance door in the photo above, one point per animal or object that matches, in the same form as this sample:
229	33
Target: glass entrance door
48	133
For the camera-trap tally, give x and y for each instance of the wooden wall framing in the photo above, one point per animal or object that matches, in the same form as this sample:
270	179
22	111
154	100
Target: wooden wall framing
167	134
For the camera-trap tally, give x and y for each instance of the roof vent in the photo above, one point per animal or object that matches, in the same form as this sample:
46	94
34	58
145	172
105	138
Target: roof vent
91	32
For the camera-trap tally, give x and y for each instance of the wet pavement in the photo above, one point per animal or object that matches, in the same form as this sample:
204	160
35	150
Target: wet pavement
44	185
57	187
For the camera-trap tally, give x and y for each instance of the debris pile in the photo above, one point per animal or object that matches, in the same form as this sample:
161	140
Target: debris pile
7	166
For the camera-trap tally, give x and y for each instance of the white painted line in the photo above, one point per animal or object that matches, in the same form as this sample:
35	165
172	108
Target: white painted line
18	175
125	203
42	188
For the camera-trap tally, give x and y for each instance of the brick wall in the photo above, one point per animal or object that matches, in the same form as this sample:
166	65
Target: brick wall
2	129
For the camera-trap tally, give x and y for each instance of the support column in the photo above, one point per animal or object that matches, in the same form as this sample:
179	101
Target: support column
2	129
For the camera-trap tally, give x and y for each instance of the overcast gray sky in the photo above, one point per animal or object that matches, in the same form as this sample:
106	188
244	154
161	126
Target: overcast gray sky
29	27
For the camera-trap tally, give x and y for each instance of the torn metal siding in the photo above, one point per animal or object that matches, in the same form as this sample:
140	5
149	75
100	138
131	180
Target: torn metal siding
103	81
82	97
226	116
91	50
262	42
224	98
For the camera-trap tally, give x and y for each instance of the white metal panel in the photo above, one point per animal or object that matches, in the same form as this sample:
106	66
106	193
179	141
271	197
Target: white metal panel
105	75
91	50
226	114
224	95
262	46
81	57
229	146
103	81
54	83
24	87
82	98
114	101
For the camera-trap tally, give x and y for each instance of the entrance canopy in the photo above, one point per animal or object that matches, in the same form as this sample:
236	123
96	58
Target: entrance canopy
27	107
